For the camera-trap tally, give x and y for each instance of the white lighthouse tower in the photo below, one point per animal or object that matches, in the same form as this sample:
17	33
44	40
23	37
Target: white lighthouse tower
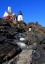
20	16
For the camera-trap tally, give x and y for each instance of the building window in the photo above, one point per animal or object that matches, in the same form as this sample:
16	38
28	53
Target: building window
20	18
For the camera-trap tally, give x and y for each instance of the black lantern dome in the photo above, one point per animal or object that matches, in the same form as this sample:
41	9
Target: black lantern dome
20	13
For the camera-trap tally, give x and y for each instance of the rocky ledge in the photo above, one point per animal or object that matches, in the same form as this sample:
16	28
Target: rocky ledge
33	54
18	45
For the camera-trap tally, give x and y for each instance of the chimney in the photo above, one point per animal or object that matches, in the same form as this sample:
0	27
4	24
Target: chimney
9	9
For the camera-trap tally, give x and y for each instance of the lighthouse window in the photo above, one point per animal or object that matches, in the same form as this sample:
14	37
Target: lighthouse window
20	18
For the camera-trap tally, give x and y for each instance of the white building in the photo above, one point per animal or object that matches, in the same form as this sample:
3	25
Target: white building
20	16
8	15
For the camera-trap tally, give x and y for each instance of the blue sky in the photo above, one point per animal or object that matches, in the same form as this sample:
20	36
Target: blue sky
33	10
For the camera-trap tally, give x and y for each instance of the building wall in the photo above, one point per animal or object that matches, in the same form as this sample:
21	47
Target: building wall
20	18
7	17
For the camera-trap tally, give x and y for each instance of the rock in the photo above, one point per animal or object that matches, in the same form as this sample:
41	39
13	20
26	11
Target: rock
31	56
22	45
33	37
31	51
2	38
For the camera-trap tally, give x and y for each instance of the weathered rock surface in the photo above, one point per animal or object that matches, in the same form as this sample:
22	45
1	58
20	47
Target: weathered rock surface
35	37
33	54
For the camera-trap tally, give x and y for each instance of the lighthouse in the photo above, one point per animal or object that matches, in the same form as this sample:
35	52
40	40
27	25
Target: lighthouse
20	16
